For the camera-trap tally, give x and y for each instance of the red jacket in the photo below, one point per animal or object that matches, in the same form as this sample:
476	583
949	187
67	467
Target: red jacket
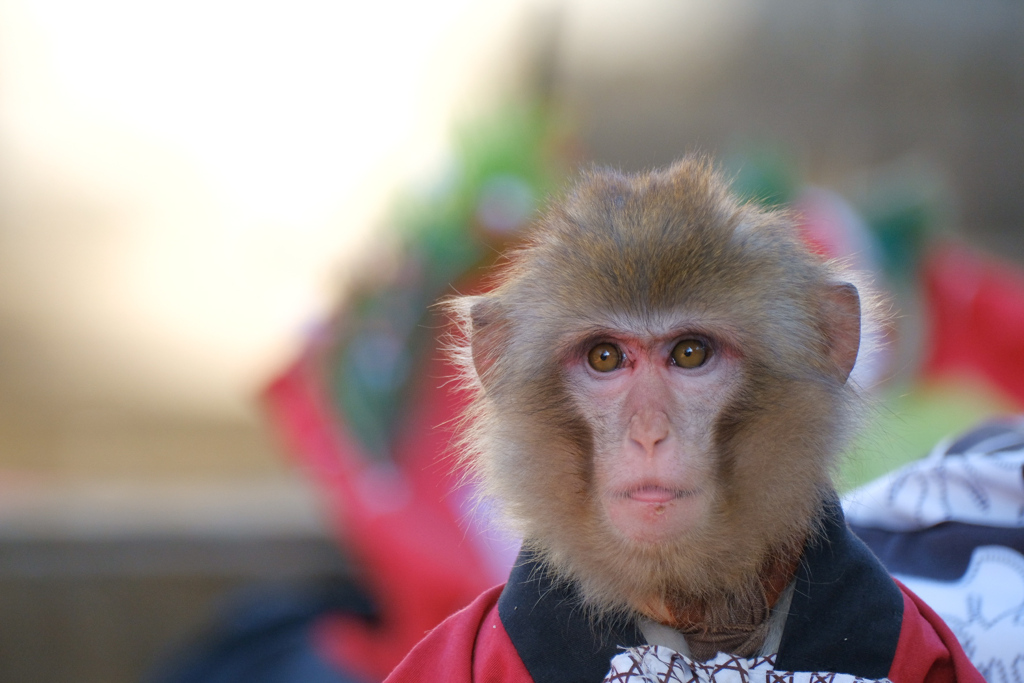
847	616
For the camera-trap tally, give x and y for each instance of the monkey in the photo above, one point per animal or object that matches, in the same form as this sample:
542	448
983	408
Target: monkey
660	390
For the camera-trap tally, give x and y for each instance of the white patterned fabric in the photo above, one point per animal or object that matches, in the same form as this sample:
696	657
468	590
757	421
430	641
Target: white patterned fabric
985	610
972	488
982	485
657	664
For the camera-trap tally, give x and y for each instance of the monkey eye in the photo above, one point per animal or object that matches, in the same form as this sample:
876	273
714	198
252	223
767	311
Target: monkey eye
689	353
605	357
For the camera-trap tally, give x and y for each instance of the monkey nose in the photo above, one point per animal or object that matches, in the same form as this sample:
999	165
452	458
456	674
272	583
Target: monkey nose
648	429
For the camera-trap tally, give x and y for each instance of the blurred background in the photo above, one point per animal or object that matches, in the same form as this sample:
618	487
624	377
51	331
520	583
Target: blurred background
191	192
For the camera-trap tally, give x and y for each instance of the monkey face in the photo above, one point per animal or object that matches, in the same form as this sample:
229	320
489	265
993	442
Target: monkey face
659	386
651	401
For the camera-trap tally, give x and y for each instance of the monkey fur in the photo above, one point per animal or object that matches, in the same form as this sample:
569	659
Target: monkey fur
643	255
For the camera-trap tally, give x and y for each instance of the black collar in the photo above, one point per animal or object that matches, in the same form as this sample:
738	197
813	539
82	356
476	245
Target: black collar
845	616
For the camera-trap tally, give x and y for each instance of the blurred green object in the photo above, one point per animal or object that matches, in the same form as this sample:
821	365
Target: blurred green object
907	422
903	224
501	167
764	174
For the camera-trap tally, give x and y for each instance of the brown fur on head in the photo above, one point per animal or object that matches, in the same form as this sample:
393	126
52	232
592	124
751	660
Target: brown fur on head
633	250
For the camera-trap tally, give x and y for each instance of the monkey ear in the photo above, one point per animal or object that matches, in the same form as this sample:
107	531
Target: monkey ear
841	311
488	333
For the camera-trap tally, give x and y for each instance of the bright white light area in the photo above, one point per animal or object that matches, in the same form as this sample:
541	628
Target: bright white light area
183	184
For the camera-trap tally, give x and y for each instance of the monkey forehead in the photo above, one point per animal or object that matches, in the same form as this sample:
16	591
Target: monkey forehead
744	272
659	325
667	238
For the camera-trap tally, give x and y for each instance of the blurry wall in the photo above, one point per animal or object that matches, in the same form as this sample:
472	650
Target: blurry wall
183	187
845	88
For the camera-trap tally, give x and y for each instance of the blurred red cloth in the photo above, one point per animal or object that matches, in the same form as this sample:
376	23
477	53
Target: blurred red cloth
975	311
400	522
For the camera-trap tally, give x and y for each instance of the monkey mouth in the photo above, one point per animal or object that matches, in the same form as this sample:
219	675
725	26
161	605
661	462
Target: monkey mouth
655	510
656	493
